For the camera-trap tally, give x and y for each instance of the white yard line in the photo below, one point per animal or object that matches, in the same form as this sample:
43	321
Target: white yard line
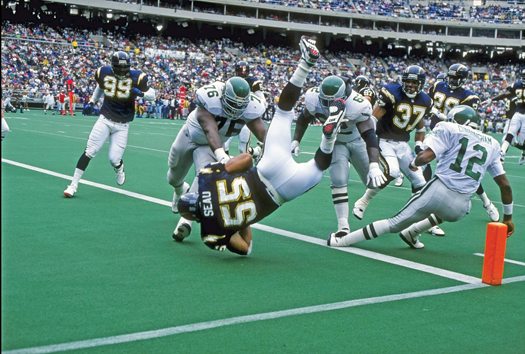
505	259
133	337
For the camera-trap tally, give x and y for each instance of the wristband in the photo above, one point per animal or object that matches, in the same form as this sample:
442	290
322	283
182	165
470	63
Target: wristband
413	163
507	209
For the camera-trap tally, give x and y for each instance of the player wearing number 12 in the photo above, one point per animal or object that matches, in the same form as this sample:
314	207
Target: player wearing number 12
463	155
120	86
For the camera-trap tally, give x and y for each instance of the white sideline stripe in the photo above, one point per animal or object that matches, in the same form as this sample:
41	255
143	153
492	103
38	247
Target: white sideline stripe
377	256
357	251
126	338
89	183
505	259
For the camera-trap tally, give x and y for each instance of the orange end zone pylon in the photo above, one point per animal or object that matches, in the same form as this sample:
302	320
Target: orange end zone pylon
494	259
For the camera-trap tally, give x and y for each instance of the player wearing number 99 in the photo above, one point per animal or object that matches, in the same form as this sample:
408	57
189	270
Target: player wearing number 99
356	141
120	86
463	156
400	109
223	109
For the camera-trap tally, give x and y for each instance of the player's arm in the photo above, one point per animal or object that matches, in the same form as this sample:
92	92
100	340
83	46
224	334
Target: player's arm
368	133
506	199
240	163
97	95
241	242
419	135
501	96
423	158
378	111
375	177
210	129
300	128
258	128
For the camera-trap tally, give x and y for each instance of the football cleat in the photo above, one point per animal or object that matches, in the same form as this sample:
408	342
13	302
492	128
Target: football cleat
411	239
493	212
521	161
342	233
182	230
120	175
176	197
399	180
332	241
436	231
309	52
70	191
334	120
359	208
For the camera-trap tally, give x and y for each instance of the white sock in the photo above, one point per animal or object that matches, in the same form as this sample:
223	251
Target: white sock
371	231
327	145
484	199
299	76
340	200
369	195
77	176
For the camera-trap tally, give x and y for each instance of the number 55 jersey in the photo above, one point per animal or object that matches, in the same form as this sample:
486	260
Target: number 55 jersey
463	155
230	202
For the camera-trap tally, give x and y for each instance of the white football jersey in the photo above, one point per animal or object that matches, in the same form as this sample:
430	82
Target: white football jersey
209	98
358	109
463	156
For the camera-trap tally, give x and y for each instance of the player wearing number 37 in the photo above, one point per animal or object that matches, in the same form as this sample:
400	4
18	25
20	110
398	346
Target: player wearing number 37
463	155
120	86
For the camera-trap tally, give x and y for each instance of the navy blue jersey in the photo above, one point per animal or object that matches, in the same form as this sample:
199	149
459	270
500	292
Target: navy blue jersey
119	102
368	92
510	106
255	83
517	89
445	99
403	113
230	202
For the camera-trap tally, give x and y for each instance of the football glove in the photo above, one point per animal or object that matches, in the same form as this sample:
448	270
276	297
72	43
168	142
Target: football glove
309	52
438	114
221	155
375	176
137	92
487	102
295	148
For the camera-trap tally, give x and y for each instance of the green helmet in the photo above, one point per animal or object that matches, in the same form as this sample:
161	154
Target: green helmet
462	115
235	97
332	88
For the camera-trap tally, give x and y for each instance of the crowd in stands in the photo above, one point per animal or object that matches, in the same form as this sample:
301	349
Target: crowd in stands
37	59
442	11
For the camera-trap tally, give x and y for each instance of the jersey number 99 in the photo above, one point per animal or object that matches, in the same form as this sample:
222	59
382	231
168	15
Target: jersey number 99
119	88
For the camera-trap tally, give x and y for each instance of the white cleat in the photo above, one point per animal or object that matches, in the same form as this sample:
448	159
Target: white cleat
411	240
502	157
334	120
493	212
436	231
182	231
359	209
176	197
332	241
399	180
521	161
309	52
70	191
120	175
